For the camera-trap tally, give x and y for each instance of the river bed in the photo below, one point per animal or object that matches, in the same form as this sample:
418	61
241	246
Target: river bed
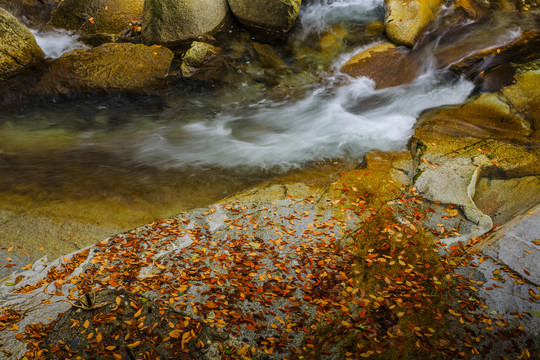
76	170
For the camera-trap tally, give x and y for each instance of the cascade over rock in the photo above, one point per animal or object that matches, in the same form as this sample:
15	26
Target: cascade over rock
171	22
109	67
405	20
274	15
18	47
91	17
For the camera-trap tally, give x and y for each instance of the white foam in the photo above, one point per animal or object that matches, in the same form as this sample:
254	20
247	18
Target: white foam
332	122
320	13
55	43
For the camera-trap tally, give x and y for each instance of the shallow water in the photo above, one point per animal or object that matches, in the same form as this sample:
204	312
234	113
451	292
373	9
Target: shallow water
132	159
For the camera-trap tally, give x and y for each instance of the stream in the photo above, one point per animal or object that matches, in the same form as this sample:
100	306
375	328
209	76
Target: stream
117	161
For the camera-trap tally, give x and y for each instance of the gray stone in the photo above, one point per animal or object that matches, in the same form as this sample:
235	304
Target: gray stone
513	245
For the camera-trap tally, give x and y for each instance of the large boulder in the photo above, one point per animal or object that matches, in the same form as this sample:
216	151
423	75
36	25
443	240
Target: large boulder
89	17
404	20
172	22
109	67
18	47
385	64
274	15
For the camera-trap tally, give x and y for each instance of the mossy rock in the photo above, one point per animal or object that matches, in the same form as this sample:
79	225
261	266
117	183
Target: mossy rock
203	62
406	19
18	47
96	16
109	67
174	22
386	64
274	15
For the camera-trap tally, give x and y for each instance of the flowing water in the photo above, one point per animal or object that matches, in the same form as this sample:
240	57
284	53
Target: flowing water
119	161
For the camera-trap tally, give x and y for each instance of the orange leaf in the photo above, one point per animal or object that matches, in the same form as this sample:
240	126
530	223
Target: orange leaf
138	313
91	20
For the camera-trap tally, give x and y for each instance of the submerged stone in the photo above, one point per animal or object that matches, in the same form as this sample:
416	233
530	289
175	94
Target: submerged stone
385	64
203	62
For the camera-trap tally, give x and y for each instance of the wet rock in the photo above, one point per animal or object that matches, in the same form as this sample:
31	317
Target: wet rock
34	13
273	15
89	17
203	62
386	64
493	135
267	56
321	49
503	199
492	69
170	22
18	47
405	20
109	67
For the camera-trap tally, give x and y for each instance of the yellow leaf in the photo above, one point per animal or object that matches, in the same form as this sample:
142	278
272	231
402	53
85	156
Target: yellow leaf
110	348
138	313
453	212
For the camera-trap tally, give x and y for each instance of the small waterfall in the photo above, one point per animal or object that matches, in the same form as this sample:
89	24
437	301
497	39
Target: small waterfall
55	43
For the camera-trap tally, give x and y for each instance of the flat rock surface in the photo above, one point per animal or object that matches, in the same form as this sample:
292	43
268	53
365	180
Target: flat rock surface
517	244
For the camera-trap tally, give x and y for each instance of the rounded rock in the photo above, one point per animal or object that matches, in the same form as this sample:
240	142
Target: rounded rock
274	15
173	22
18	47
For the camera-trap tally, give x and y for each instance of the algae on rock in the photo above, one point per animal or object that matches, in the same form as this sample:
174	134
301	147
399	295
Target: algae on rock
18	47
109	67
90	17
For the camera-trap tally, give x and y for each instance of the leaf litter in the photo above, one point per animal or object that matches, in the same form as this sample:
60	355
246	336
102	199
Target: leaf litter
276	281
